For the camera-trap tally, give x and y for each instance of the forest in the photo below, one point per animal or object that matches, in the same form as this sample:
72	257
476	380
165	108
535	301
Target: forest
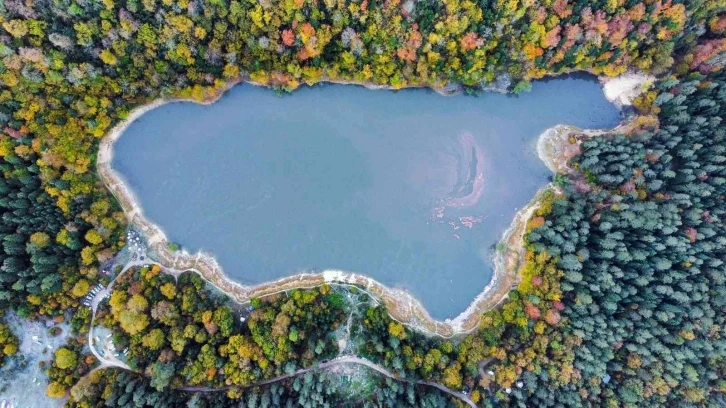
621	301
181	333
623	296
315	389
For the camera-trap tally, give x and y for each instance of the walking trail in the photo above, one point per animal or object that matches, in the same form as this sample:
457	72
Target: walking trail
108	359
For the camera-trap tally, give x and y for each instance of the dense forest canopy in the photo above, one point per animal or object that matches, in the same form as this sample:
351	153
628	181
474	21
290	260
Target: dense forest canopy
622	299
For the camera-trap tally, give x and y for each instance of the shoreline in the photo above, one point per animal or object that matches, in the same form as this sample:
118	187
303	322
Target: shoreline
623	89
560	143
401	305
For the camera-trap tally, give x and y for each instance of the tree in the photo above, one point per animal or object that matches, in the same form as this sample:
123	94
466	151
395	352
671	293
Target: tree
154	340
133	323
397	330
161	374
80	289
169	290
452	376
65	358
55	390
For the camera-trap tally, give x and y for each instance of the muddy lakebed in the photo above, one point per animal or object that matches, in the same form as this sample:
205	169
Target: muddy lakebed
410	188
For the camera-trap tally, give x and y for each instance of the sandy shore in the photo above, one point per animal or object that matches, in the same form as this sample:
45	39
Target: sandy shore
623	89
401	305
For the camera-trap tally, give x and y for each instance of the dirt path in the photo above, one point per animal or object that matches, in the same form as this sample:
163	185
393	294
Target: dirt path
346	359
107	358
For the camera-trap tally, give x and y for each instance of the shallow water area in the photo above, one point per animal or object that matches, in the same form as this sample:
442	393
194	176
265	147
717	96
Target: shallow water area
408	187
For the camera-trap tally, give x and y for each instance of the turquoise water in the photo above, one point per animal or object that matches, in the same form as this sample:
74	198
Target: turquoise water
408	187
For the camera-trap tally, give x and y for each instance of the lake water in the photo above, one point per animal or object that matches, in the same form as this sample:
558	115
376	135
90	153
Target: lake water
411	188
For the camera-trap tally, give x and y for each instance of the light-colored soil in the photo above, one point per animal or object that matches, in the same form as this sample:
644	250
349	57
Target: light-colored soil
22	381
623	89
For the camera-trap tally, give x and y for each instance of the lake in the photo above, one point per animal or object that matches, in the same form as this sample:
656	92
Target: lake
410	188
